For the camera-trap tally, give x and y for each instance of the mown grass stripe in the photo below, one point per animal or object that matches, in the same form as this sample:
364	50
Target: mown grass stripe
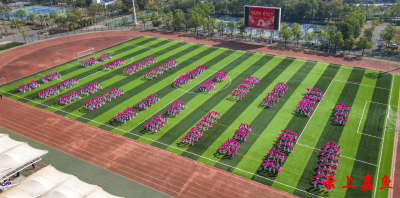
349	138
297	123
250	114
213	64
385	160
82	72
256	63
339	92
369	147
280	120
100	76
264	118
116	81
60	67
186	63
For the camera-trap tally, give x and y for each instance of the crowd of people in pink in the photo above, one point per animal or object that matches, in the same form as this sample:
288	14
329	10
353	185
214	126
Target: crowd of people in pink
276	156
327	165
156	123
243	89
48	92
273	97
28	86
208	86
91	88
221	76
341	113
176	108
307	104
68	98
153	73
113	64
67	83
96	102
243	132
183	79
200	128
126	115
50	77
105	56
139	66
88	62
148	101
231	146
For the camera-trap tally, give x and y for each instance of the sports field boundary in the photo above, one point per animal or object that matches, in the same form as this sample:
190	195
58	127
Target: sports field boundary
303	129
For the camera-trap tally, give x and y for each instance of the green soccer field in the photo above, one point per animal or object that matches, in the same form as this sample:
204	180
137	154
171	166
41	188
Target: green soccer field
366	141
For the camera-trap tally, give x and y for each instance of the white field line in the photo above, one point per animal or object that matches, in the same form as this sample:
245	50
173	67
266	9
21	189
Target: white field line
23	78
314	112
170	146
358	129
97	165
340	155
381	103
362	84
184	93
383	139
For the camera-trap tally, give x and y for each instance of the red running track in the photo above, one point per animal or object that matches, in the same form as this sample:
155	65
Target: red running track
161	170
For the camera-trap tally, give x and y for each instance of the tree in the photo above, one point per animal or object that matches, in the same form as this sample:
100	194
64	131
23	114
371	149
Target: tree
241	27
178	18
212	25
232	26
94	9
369	33
24	33
186	21
144	21
388	33
195	21
221	25
350	42
155	20
32	18
363	43
297	32
21	14
308	36
53	16
204	24
338	40
285	33
396	39
168	19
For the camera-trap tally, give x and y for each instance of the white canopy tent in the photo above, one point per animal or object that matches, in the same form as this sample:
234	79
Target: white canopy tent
16	156
51	183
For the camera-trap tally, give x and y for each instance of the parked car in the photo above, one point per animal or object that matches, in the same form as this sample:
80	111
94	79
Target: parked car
393	46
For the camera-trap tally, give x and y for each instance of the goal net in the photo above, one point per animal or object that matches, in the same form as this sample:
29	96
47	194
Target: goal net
185	40
393	119
78	55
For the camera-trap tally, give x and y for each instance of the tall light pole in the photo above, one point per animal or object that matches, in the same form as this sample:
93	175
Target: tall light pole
134	11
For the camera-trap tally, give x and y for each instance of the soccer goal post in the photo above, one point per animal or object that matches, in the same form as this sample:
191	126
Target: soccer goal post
185	40
392	119
78	55
2	81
